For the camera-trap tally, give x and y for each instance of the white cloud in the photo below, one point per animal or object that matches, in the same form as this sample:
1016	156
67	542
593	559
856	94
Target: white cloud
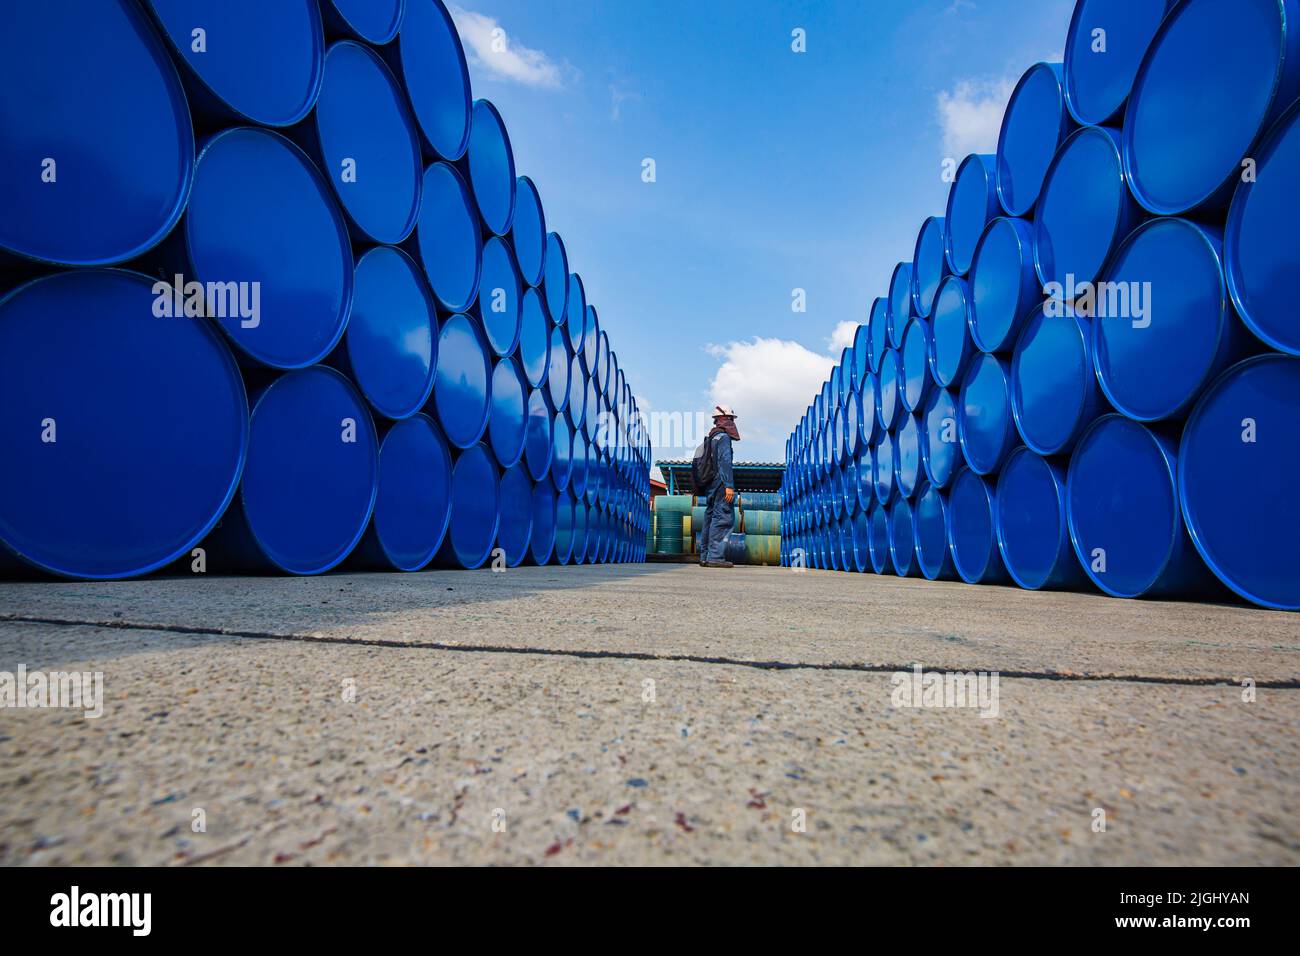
770	383
842	337
970	115
489	47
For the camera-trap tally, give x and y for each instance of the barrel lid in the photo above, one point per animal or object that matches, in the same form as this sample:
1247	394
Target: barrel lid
508	416
392	335
1033	126
516	525
436	77
928	263
984	424
375	21
1052	379
475	506
460	391
556	281
1098	81
448	237
499	297
970	505
972	202
413	503
528	231
1031	519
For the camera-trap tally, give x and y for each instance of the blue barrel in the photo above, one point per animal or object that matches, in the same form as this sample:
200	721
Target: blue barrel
591	342
1098	78
581	531
882	468
277	275
900	304
929	264
852	423
555	282
557	378
224	82
1031	523
888	402
460	391
592	411
367	143
940	449
1003	284
375	21
475	509
1213	80
971	524
1174	329
537	436
907	456
601	371
902	537
541	543
534	339
576	408
1261	250
984	423
561	452
413	504
879	332
933	553
861	541
515	528
564	528
575	314
916	381
1237	464
580	465
868	421
950	341
1034	125
864	472
431	64
90	381
528	231
310	482
96	150
392	335
1124	515
500	295
1084	211
508	415
1054	393
491	168
972	202
448	236
881	561
861	352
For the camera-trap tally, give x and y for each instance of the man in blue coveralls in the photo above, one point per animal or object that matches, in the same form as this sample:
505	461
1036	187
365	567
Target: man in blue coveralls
721	489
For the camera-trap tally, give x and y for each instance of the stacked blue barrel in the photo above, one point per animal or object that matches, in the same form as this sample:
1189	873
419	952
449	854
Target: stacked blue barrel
1088	375
275	299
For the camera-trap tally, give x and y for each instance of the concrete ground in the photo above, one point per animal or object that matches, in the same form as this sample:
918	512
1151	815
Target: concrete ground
657	714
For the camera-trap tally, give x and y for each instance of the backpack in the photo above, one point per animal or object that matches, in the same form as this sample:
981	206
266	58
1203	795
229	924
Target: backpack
704	466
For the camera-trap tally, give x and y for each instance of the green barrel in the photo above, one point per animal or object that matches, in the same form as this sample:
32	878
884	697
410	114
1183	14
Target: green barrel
763	549
668	532
763	522
673	504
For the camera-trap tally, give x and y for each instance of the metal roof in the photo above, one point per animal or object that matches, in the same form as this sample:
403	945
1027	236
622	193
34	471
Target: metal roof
749	475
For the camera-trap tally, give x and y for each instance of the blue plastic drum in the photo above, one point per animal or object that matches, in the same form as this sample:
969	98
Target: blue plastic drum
369	145
950	341
96	149
902	537
268	243
940	449
929	264
1031	523
984	423
907	456
561	452
1239	457
311	479
556	278
508	419
448	235
933	553
580	465
1263	256
1169	327
1124	515
1215	77
413	506
528	231
576	408
882	468
392	335
916	381
900	304
460	391
972	202
971	525
575	314
534	339
879	328
557	380
565	521
432	67
861	530
1034	125
249	60
125	434
492	168
1054	393
541	543
1099	68
881	560
499	297
1003	284
514	531
475	509
375	21
889	404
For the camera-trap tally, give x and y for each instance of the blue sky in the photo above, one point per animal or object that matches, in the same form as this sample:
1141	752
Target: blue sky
774	170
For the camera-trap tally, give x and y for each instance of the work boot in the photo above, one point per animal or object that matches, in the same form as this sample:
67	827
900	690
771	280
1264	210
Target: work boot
718	564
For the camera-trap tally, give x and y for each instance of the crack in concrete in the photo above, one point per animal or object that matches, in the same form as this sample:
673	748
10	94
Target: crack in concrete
638	655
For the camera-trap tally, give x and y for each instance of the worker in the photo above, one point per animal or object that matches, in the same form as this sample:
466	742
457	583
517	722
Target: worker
711	470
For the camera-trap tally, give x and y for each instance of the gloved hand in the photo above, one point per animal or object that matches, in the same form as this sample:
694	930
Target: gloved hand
729	494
